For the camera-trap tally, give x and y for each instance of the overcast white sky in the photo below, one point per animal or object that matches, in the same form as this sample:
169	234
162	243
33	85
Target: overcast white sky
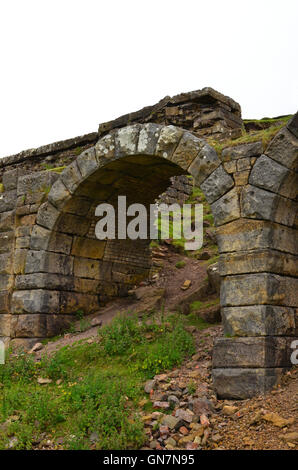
68	65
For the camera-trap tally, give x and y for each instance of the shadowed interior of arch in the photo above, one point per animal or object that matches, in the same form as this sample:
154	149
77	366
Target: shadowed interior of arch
103	269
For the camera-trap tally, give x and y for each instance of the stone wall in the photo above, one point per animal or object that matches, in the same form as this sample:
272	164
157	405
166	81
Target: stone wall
51	264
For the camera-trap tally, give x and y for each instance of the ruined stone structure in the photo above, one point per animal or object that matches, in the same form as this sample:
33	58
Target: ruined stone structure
51	264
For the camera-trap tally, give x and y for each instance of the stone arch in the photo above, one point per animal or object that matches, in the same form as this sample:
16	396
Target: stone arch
256	223
66	269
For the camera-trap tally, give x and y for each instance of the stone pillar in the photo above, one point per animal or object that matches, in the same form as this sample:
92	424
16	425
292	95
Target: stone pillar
258	265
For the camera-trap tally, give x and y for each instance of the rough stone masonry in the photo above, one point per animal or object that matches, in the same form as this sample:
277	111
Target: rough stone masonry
51	264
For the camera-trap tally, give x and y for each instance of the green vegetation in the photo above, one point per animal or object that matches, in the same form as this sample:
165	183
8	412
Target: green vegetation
264	135
1	188
95	387
180	264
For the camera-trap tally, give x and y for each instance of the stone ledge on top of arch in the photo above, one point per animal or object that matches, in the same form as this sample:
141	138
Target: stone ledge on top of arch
257	261
260	320
272	176
258	203
248	234
259	288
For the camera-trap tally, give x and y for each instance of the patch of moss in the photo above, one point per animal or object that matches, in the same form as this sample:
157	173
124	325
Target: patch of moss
1	188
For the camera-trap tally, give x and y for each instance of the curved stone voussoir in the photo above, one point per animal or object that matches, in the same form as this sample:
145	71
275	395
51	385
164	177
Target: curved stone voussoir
257	203
188	148
59	194
226	208
105	149
269	174
217	184
87	162
47	215
126	140
204	164
284	149
168	141
71	177
148	138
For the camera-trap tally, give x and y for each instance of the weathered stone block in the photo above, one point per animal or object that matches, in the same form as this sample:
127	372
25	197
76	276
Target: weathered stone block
77	206
268	174
259	320
241	177
89	248
258	261
292	125
284	149
22	242
217	184
8	200
35	301
87	162
255	352
87	268
244	234
5	320
204	164
187	150
47	215
19	261
126	140
38	182
6	282
10	179
242	151
44	261
73	224
44	281
71	302
71	177
28	326
168	141
244	383
57	324
6	241
263	288
148	138
4	302
5	263
105	149
227	208
7	220
243	163
59	194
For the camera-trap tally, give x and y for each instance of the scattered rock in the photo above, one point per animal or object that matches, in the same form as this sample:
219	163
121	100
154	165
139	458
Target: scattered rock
277	420
149	385
185	415
290	437
36	347
43	381
173	400
229	410
161	404
170	421
186	285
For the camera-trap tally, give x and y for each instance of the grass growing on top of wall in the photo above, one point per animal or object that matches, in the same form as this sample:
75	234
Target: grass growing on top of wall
92	401
263	135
